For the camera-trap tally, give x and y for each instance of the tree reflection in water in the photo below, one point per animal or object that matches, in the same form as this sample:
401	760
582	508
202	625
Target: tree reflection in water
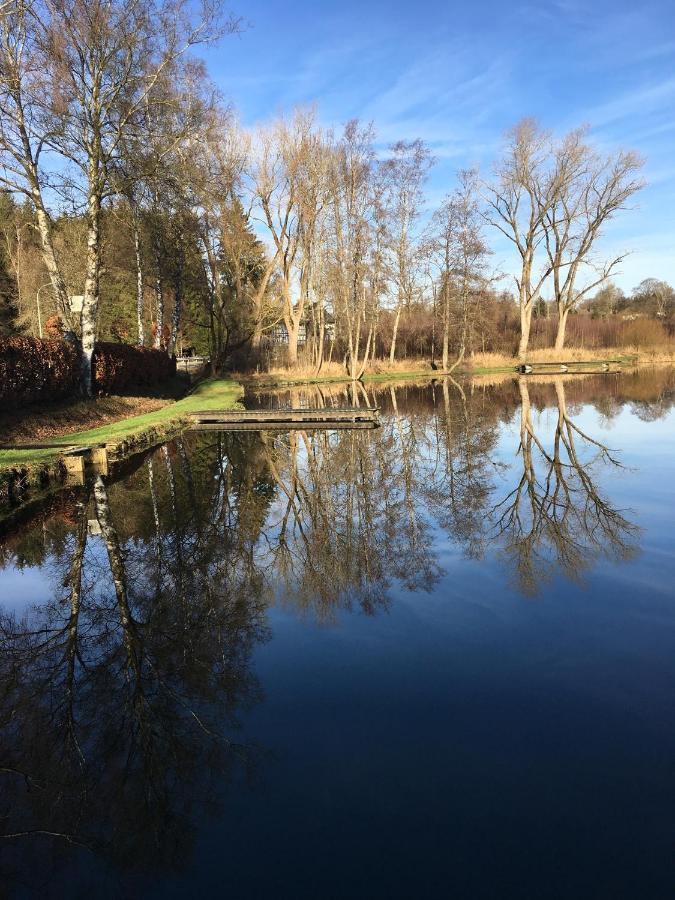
120	695
555	518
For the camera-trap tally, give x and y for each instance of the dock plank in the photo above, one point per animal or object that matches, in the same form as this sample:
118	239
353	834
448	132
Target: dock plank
286	417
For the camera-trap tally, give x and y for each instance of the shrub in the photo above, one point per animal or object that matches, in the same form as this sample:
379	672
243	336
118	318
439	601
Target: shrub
642	333
38	371
33	370
54	328
119	367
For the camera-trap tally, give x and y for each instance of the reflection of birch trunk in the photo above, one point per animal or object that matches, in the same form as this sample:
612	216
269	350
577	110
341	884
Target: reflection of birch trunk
449	441
75	583
155	516
116	560
187	472
178	537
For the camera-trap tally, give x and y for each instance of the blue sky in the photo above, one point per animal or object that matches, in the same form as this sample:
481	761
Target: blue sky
459	74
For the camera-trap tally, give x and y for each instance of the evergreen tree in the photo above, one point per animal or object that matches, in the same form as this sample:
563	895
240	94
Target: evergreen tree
8	287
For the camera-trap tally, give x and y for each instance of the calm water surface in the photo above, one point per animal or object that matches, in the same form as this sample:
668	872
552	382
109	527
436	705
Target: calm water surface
436	659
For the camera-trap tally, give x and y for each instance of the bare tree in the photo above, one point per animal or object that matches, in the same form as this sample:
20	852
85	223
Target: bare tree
405	171
355	243
458	250
659	294
104	62
25	133
518	202
591	191
288	177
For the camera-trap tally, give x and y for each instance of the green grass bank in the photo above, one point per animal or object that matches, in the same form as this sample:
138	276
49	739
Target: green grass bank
209	394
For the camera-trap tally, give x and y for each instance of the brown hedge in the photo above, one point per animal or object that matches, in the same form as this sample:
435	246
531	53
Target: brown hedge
33	371
39	371
120	367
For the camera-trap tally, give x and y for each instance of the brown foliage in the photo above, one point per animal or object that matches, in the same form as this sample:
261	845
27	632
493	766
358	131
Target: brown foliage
33	371
37	371
118	367
54	328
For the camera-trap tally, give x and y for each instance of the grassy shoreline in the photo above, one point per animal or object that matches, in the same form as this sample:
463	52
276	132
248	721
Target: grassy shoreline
143	429
502	365
224	393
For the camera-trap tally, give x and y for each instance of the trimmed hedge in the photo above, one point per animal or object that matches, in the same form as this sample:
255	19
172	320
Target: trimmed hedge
118	367
38	371
33	371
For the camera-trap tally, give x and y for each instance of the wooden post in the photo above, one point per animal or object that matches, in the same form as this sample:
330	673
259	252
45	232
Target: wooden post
74	464
99	459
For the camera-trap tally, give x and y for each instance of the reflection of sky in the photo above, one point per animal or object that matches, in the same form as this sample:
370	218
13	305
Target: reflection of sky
465	731
21	588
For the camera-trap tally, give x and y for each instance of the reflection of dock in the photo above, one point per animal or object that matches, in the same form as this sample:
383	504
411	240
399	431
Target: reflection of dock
284	419
576	367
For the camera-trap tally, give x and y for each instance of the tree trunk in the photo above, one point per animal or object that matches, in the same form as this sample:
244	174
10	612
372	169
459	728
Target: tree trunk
139	282
321	339
49	257
392	348
256	338
446	342
293	329
465	329
525	322
159	294
91	285
364	361
178	301
562	325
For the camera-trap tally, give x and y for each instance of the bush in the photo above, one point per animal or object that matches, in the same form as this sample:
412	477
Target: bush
33	370
642	333
119	367
38	371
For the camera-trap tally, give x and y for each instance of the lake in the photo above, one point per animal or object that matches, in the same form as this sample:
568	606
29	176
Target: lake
432	659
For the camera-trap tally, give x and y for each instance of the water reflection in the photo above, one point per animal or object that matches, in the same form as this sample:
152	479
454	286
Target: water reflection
556	518
121	693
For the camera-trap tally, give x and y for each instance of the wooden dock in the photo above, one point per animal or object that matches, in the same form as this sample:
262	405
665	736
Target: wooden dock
284	419
578	367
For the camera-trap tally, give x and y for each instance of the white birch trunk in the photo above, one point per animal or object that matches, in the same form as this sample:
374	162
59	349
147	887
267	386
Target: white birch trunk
91	291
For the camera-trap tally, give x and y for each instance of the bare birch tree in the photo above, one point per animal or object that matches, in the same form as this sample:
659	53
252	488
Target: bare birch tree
356	264
288	177
25	133
104	61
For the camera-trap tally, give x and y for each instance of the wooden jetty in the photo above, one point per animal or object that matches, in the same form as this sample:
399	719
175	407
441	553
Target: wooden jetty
284	419
574	367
